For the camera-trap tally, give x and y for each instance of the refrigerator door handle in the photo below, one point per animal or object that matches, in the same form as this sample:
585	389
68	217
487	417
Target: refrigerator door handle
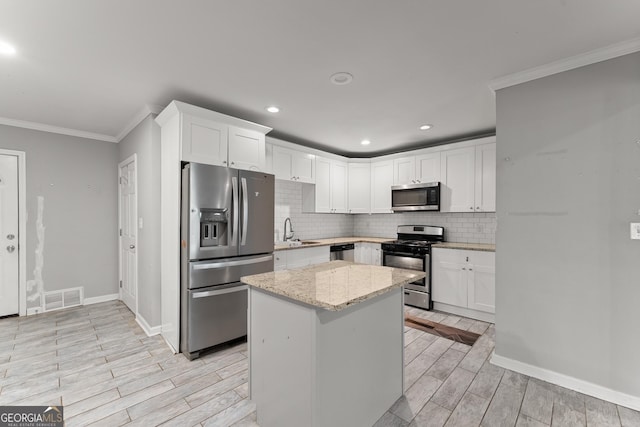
220	292
224	264
245	212
234	223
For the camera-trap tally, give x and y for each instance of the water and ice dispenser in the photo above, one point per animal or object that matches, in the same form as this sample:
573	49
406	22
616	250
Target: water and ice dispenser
214	227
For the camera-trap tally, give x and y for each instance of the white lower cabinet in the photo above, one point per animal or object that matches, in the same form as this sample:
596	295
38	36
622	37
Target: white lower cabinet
300	257
464	279
368	253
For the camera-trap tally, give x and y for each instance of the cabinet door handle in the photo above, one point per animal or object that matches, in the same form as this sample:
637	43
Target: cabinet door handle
471	208
471	269
224	162
463	268
478	208
233	163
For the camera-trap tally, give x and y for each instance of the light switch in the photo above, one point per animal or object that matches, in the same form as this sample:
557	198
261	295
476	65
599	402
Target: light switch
140	223
635	230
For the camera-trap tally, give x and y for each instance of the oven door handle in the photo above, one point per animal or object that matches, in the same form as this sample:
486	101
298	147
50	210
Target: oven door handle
404	254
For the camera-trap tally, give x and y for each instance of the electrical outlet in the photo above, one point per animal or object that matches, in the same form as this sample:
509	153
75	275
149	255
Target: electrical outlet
635	230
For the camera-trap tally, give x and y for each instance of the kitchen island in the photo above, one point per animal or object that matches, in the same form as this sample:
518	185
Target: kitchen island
326	343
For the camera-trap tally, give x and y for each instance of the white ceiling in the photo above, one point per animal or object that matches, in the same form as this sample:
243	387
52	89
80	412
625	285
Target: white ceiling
93	65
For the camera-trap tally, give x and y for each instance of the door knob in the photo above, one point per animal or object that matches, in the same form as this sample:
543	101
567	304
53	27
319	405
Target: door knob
10	236
11	248
132	246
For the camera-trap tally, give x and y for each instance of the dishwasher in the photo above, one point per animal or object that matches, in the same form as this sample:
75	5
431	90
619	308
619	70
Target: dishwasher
342	252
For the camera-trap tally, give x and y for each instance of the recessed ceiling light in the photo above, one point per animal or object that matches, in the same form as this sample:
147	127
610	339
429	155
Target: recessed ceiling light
6	48
341	78
365	142
425	127
272	109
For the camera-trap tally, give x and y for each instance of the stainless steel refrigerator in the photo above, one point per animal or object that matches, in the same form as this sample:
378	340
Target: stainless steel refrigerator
226	232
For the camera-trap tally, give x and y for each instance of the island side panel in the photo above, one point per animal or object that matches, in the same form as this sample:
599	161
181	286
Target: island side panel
359	361
280	355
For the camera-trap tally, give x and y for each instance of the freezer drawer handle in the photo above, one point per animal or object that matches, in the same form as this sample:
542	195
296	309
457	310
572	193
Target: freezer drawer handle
232	263
220	292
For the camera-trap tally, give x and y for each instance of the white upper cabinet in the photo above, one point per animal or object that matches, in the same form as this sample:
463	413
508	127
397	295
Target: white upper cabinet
404	170
204	141
323	186
428	167
485	200
205	136
329	195
339	186
293	165
417	169
468	177
457	193
381	182
359	188
246	149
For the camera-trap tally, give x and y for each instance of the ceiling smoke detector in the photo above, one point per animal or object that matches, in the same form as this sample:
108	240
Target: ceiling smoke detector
341	78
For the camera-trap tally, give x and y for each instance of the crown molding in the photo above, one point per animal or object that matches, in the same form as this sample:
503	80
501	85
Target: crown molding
55	129
137	119
588	58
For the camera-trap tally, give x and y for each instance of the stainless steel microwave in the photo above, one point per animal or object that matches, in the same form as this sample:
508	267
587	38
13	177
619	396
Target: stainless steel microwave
416	197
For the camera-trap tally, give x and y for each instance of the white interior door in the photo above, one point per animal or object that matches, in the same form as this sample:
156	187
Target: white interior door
128	219
9	260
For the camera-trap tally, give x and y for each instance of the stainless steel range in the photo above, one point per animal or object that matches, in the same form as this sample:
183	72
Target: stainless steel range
412	251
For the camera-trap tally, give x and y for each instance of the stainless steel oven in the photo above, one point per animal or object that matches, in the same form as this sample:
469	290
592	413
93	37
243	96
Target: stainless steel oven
415	293
412	251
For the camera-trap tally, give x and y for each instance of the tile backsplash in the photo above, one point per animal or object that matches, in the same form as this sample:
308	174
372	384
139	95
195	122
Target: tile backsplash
459	227
306	225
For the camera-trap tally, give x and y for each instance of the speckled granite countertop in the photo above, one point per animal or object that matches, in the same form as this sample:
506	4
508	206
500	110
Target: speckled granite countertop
467	246
333	241
333	285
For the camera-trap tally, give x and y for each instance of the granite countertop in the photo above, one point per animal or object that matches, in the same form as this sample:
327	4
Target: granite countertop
332	241
467	246
333	285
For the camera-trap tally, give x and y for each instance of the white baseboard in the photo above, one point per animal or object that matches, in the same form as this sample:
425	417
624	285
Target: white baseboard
466	312
595	390
34	310
102	298
149	330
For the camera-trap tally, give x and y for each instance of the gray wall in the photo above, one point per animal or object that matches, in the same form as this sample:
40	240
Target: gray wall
568	275
78	179
144	141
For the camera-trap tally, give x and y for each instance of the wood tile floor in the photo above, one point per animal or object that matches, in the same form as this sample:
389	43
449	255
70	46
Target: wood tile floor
100	365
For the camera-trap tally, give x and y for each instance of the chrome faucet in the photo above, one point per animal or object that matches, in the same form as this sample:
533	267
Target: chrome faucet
285	235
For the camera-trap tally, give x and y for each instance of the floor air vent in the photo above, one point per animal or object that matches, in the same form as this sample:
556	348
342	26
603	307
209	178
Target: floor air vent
63	298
